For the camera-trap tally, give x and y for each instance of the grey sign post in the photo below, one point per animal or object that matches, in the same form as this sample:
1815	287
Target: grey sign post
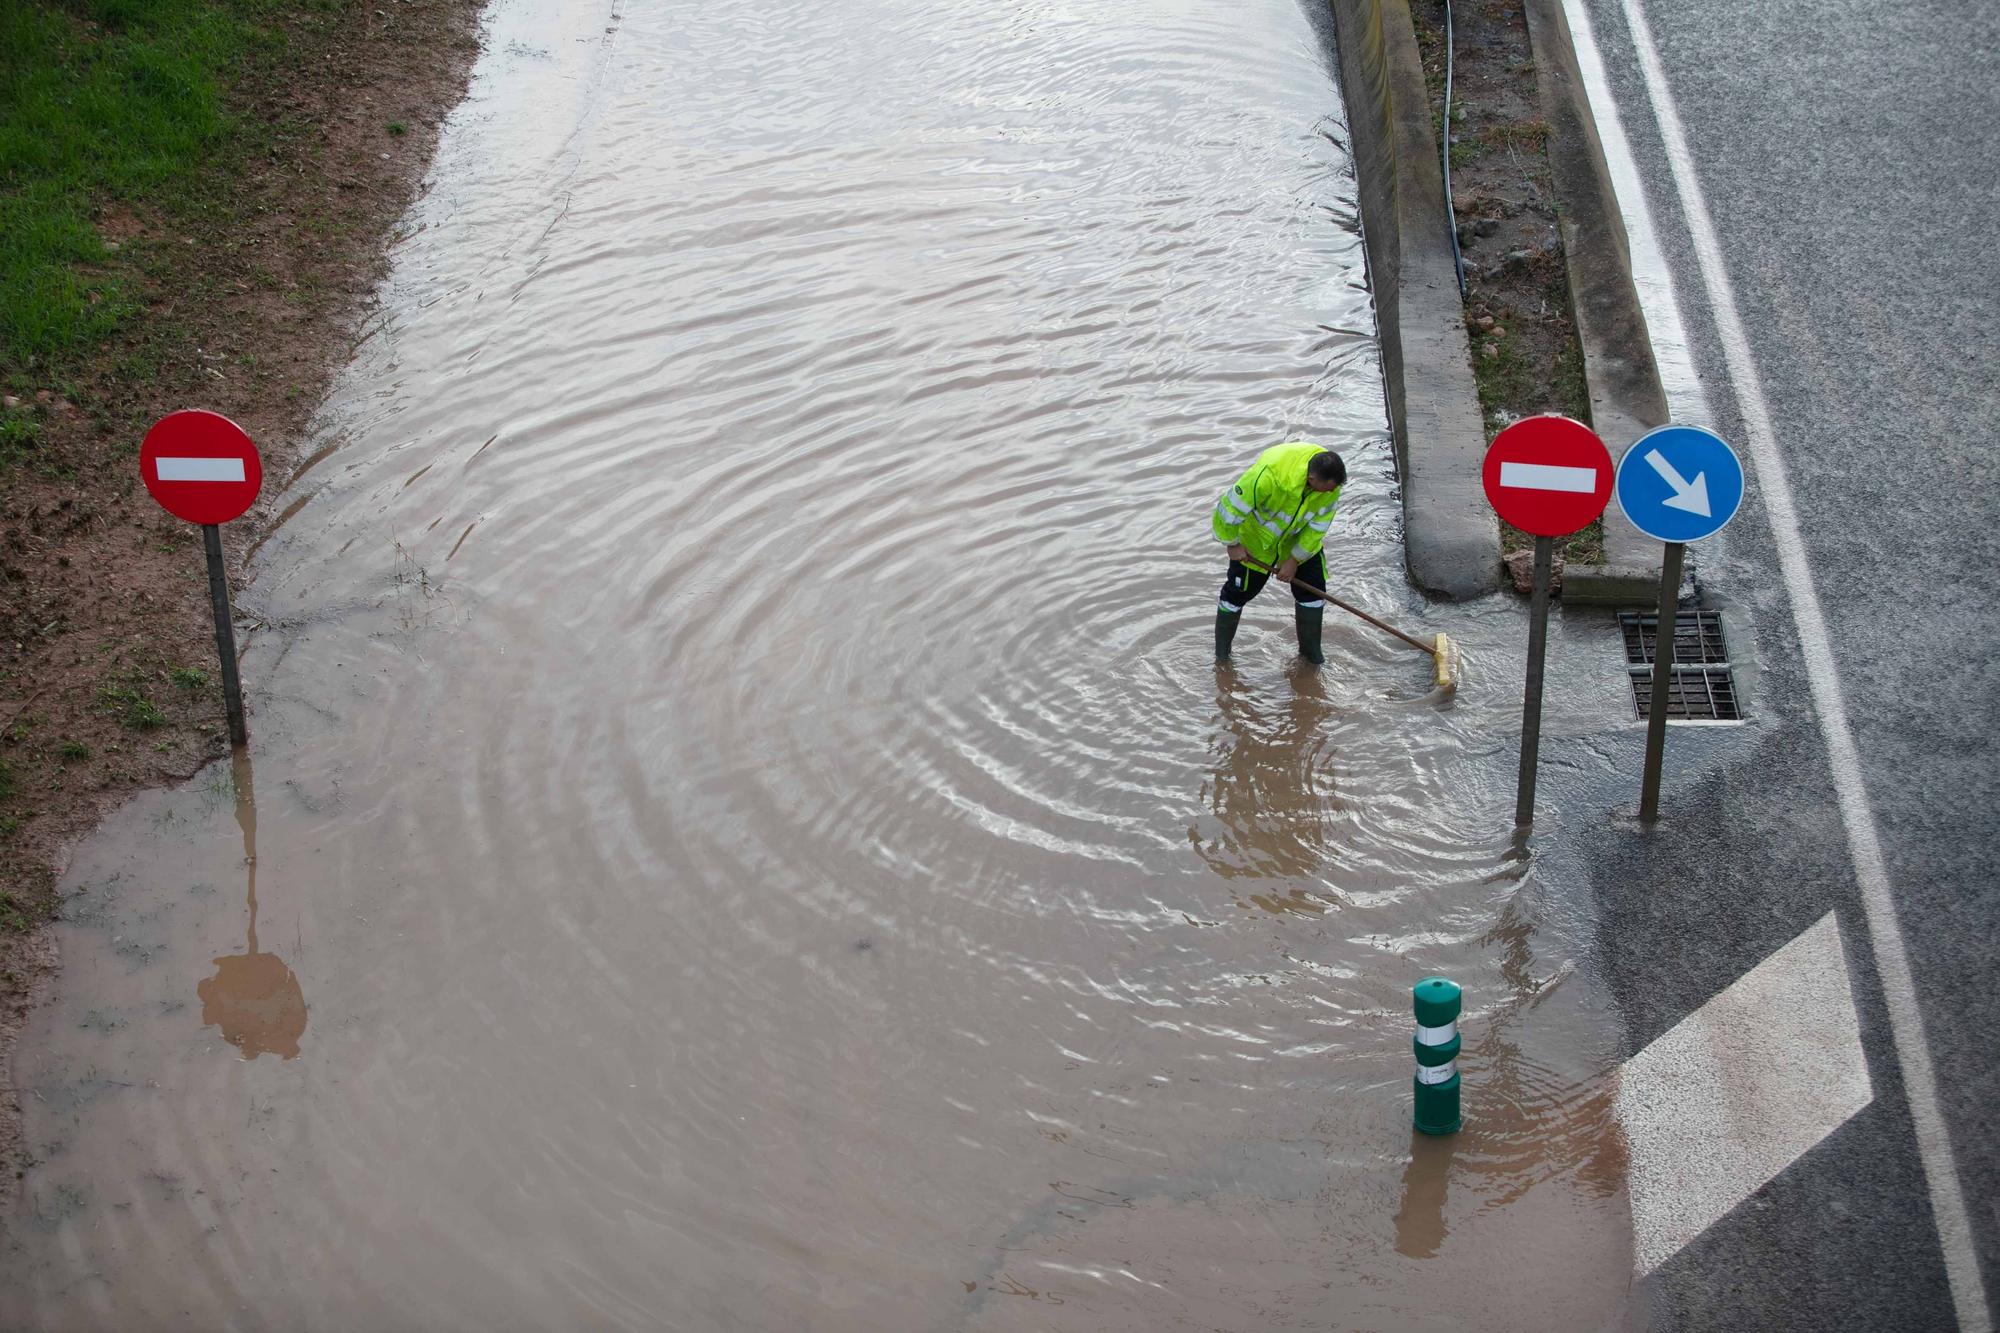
1679	484
1531	700
1663	675
1549	476
225	634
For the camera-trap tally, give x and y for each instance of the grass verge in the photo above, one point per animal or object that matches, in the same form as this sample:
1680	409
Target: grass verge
195	201
101	103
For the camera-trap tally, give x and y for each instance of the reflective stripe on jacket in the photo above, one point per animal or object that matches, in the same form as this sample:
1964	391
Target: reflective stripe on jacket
1272	512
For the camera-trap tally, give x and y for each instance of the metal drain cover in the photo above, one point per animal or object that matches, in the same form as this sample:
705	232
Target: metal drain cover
1700	694
1697	637
1701	687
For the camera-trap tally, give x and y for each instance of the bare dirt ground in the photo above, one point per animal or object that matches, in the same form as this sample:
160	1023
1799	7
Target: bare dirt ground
107	652
1525	355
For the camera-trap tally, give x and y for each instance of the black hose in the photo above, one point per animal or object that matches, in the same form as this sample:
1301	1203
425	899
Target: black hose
1444	154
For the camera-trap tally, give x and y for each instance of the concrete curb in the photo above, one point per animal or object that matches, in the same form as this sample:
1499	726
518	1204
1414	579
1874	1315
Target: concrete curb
1626	397
1451	536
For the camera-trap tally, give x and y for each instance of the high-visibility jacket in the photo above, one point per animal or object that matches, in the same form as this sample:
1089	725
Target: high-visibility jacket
1272	511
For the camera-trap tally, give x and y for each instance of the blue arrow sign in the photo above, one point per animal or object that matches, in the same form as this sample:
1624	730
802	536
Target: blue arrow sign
1679	483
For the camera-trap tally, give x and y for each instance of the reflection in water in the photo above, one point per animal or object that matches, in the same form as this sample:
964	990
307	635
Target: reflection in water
1525	1123
1420	1225
253	997
1270	786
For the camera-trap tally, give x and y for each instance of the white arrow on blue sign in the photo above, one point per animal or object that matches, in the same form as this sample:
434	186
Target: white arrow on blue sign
1679	483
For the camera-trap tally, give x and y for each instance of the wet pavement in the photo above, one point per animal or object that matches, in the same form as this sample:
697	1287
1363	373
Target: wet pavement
746	832
1839	150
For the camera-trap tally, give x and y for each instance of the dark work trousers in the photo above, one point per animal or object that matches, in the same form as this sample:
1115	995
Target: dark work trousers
1244	583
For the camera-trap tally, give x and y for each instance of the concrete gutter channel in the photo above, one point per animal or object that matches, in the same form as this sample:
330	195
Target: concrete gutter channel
1451	536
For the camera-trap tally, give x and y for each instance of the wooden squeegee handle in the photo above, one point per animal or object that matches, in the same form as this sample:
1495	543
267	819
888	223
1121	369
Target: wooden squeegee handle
1419	644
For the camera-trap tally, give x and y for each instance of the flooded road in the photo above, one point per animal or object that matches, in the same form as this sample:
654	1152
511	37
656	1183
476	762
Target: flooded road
747	833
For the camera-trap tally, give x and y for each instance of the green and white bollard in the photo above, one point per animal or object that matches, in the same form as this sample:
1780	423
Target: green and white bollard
1436	1002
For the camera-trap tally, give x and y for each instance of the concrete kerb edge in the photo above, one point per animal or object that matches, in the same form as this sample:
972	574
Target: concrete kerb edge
1451	535
1627	398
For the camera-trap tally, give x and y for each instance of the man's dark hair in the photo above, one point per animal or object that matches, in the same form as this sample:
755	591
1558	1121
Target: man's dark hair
1326	466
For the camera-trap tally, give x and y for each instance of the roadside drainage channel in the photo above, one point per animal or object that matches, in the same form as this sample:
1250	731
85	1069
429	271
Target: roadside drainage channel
1702	686
1452	544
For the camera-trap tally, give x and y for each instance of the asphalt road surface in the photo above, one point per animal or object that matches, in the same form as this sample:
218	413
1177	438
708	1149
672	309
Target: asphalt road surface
1846	153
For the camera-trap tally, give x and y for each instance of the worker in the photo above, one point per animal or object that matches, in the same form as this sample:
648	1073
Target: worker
1273	520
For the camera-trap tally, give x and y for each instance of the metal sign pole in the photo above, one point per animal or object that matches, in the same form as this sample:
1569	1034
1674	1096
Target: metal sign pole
1531	704
225	634
1663	673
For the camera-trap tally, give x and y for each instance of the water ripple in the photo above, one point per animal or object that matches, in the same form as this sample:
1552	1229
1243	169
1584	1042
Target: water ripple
744	779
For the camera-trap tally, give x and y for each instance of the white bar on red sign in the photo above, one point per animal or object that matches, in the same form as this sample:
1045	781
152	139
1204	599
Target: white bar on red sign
201	469
1537	477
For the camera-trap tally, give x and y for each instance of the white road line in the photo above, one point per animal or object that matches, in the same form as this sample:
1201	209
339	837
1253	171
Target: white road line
1548	477
1686	402
1885	933
1739	1090
198	469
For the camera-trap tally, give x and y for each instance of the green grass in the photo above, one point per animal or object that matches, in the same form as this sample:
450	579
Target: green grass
1505	379
20	437
1571	385
73	750
101	101
189	678
132	708
1586	547
1532	135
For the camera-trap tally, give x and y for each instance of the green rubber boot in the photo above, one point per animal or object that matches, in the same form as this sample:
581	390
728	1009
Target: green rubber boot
1225	632
1310	618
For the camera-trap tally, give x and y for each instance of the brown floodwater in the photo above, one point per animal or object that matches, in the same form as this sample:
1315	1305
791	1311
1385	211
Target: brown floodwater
746	832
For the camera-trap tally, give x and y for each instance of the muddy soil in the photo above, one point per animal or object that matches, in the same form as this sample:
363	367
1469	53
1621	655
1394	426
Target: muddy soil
1526	357
107	654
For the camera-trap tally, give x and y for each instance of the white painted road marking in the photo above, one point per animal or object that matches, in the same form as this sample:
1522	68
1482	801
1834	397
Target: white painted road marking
199	469
1689	495
1739	1090
1686	402
1548	477
1885	932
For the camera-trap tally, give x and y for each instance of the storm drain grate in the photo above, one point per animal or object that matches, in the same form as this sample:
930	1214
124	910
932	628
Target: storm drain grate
1694	694
1702	687
1697	637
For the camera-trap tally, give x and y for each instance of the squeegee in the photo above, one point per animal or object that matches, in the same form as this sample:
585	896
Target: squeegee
1443	653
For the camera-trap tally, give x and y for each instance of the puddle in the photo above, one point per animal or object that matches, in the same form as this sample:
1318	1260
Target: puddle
746	830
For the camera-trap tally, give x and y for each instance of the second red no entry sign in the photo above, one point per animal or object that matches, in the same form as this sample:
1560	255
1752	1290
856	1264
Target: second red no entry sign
1548	475
201	467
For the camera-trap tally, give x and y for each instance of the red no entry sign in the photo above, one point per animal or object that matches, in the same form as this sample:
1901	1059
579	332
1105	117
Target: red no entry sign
1549	476
200	466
